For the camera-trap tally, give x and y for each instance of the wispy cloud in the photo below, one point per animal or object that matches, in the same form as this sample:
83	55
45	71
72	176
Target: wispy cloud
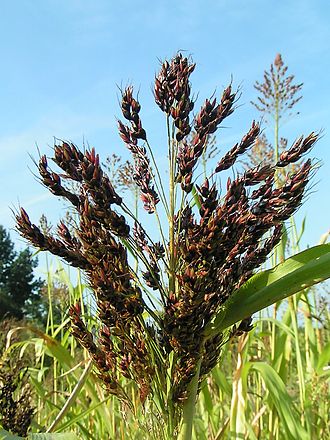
37	199
66	126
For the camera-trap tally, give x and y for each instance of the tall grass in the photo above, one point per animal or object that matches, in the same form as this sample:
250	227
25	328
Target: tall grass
238	400
194	366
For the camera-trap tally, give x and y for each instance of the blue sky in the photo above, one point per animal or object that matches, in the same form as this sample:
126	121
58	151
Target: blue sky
63	60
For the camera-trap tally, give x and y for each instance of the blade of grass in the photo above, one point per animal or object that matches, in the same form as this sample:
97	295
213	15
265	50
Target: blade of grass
71	400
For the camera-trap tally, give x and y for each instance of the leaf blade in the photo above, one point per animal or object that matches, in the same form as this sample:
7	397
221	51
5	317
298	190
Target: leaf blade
265	288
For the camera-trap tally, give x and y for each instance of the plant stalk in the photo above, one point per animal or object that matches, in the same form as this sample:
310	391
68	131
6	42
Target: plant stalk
171	262
189	406
72	398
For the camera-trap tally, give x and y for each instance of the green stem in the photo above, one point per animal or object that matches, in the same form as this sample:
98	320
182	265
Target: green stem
50	318
277	250
136	213
276	136
277	119
301	378
189	406
171	210
158	183
204	160
72	398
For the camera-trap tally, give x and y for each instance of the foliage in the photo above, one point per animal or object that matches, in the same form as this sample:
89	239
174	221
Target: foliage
20	292
235	391
278	96
5	435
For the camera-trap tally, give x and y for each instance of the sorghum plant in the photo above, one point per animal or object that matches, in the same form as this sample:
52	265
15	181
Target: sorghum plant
120	173
277	98
196	270
16	409
278	95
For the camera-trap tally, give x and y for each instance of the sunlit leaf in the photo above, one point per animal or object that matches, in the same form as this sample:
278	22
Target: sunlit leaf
282	402
265	288
53	436
5	435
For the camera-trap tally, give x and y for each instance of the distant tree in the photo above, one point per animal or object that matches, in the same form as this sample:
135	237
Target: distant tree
20	291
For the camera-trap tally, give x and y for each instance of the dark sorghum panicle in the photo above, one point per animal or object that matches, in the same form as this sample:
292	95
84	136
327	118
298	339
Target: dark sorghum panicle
216	248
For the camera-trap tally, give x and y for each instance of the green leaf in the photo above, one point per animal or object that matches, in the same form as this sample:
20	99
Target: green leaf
221	381
73	396
209	406
80	416
53	436
284	240
270	286
5	435
196	198
324	359
301	232
53	347
279	324
282	401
